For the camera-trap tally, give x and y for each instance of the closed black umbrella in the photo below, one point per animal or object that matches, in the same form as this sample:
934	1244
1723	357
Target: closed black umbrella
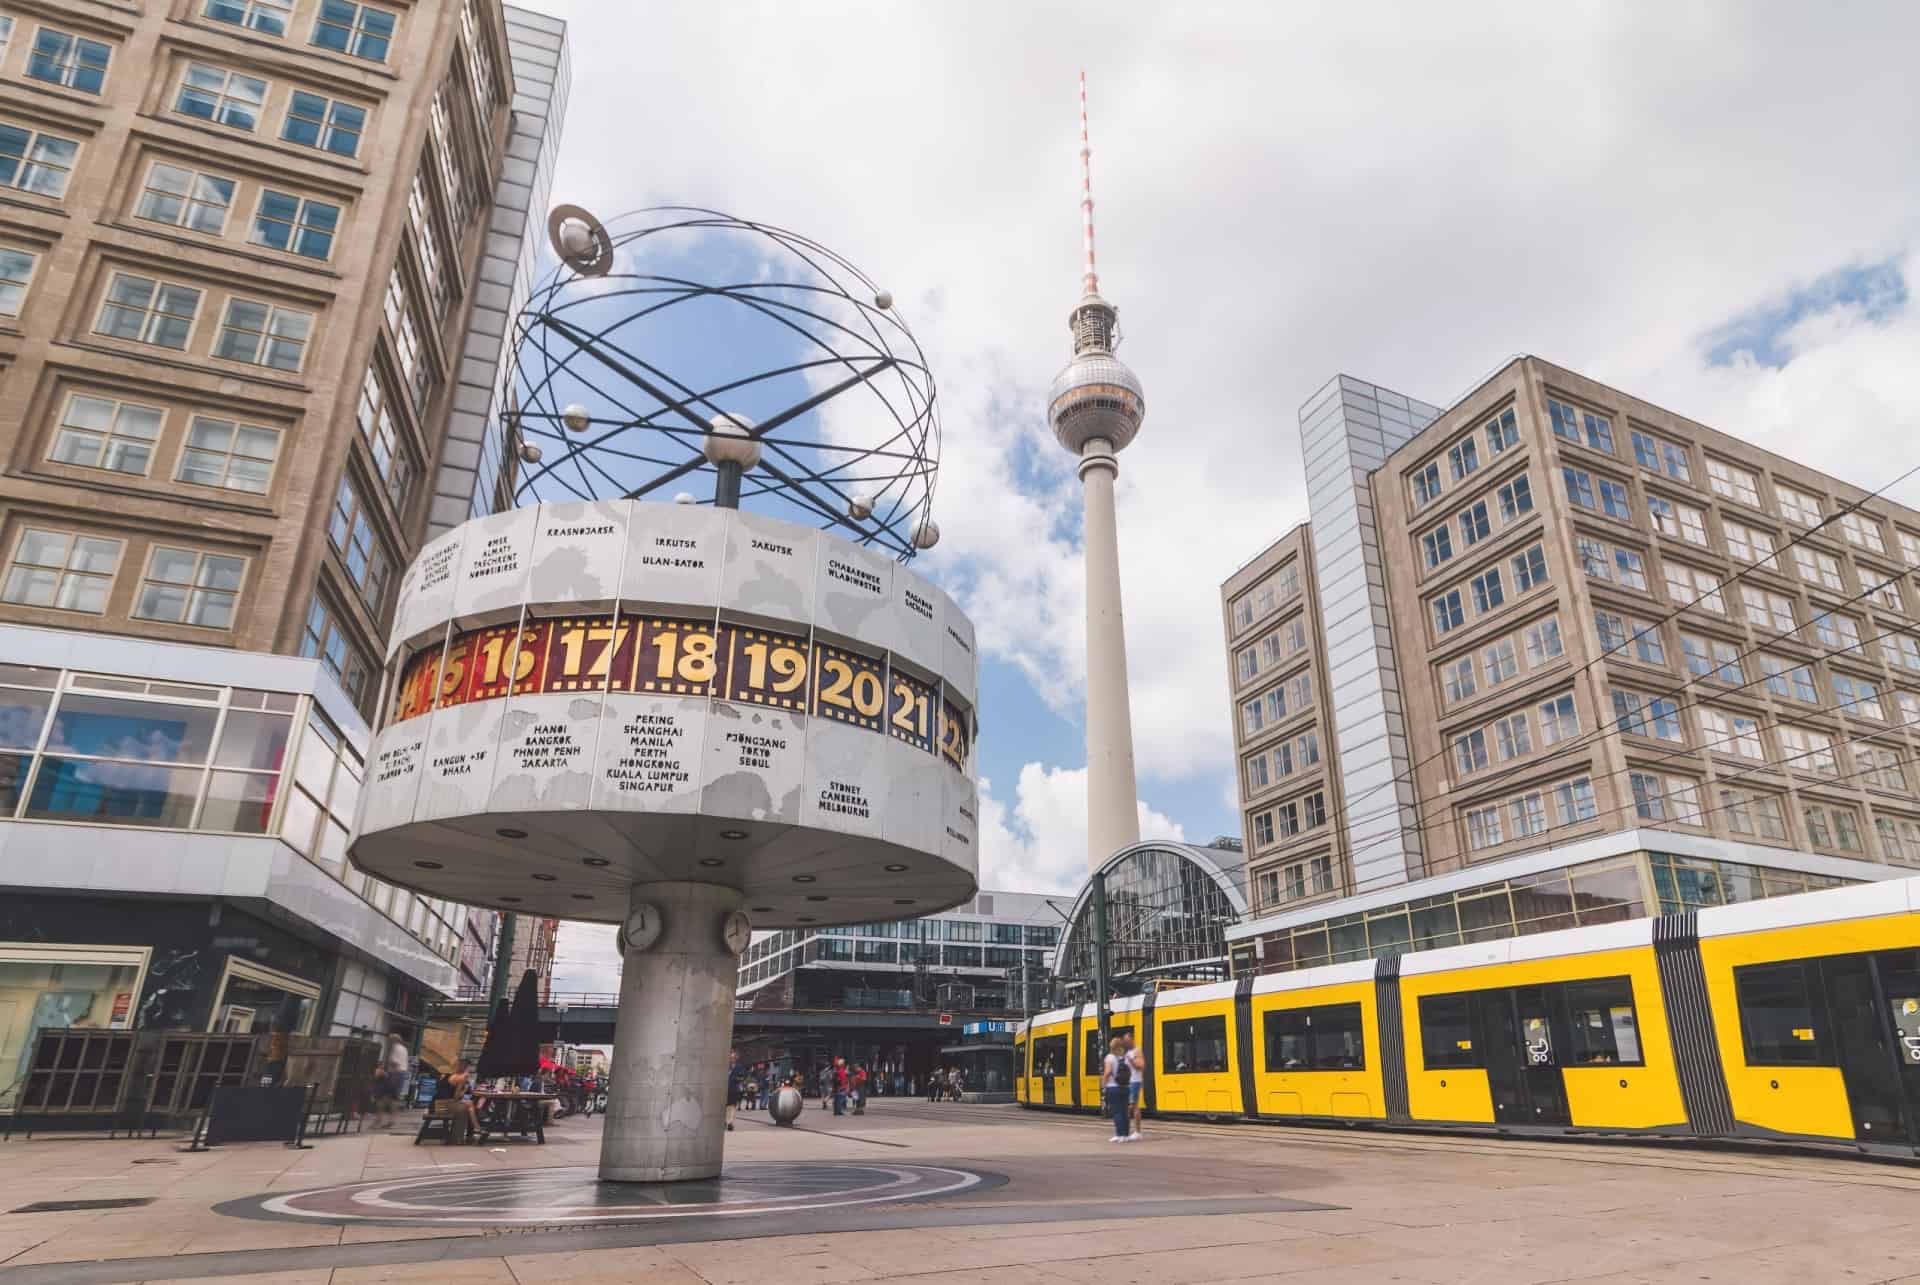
493	1051
523	1025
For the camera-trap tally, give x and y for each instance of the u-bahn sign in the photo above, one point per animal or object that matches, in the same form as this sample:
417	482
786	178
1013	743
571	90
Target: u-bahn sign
583	696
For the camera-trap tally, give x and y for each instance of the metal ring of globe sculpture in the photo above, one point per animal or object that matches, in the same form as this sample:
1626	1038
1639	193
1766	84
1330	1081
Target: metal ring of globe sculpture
631	352
688	720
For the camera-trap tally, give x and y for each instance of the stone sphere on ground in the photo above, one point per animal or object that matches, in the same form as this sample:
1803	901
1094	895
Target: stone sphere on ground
786	1104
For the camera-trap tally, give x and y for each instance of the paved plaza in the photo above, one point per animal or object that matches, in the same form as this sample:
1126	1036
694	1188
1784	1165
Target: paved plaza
953	1194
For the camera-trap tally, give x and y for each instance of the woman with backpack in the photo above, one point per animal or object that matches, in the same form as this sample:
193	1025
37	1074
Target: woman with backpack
1115	1075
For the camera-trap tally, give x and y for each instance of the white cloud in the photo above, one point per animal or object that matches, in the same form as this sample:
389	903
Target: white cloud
1039	842
1285	191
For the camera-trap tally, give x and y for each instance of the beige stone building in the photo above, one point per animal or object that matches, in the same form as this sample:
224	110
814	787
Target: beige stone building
257	259
1586	660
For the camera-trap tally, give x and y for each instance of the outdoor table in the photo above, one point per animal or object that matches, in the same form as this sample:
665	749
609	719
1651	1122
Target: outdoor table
513	1114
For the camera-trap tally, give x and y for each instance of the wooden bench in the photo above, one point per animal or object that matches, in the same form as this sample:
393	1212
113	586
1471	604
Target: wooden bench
449	1117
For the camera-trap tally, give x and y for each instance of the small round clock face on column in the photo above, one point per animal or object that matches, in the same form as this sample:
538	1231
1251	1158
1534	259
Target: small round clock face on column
736	930
643	926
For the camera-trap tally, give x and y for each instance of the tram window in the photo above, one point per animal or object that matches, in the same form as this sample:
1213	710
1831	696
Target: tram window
1446	1032
1778	1017
1604	1027
1096	1057
1194	1045
1900	978
1316	1039
1050	1055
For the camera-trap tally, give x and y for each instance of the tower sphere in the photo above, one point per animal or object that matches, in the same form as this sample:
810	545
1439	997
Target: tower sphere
728	441
576	417
1095	396
576	238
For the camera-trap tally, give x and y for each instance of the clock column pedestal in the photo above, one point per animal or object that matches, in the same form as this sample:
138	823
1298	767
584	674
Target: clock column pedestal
666	1109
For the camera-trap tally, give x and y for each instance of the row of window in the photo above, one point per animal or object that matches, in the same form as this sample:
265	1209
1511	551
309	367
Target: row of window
1527	814
1289	640
75	572
1552	721
1488	591
1294	817
358	30
1498	662
122	437
144	310
1277	764
1513	500
1283	700
1267	597
1499	434
202	201
1310	878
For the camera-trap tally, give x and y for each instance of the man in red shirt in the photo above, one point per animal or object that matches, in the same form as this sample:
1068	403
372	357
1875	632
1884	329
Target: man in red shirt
840	1085
859	1090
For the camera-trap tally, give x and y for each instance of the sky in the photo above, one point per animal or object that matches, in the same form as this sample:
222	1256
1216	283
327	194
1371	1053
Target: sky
1713	206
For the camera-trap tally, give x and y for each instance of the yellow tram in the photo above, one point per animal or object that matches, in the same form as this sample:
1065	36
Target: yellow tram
1795	1019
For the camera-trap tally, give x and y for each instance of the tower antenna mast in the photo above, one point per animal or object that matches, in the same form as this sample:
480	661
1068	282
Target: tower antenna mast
1090	282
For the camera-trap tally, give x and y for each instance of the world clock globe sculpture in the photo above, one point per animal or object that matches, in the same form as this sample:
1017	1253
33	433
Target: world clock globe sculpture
689	685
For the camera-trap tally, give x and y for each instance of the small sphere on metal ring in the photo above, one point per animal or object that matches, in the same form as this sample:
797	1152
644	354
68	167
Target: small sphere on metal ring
883	300
576	238
859	506
730	441
576	417
684	497
926	533
529	452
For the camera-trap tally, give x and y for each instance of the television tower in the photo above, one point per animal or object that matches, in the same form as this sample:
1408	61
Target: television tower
1095	407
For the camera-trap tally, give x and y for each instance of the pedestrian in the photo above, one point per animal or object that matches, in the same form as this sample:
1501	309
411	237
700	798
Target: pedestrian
1136	1081
736	1084
933	1085
395	1065
841	1083
1115	1074
959	1082
860	1090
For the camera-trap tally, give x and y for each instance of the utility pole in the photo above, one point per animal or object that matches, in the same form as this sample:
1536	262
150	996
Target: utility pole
1098	890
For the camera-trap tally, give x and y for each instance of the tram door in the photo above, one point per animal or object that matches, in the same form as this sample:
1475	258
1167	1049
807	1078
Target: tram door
1523	1056
1874	1061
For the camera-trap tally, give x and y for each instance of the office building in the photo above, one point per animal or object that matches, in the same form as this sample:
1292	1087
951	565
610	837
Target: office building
242	244
1556	655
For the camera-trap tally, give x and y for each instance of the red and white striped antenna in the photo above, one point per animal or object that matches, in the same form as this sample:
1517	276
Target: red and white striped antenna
1090	283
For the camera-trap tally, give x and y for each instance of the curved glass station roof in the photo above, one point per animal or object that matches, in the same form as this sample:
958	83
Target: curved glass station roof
1169	906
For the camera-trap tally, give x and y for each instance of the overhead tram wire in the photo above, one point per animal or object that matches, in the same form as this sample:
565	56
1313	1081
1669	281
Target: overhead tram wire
1408	777
1564	748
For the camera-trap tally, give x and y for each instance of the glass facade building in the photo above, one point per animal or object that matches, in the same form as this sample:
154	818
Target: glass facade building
1168	909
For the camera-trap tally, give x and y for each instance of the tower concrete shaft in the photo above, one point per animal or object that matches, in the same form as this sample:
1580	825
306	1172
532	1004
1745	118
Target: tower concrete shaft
1113	816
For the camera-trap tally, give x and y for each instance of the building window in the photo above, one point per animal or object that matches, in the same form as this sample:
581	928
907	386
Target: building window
1447	612
1503	432
1752	814
299	225
1488	592
1654	716
73	62
148	311
269	16
1630	568
1463	458
1768	610
1529	569
1711	658
1612	630
1568	423
324	641
1289	815
1879	767
1691	587
1862	532
35	162
1263	828
1903	650
1249	664
1257	778
1575	799
1681	521
324	123
1470	752
1499	661
1512	737
263	335
1749	544
1797	507
1647	646
62	570
1276	704
16	271
1887	594
1858	697
1842	633
351	532
1731	483
1528	814
1899	844
1732	733
221	96
185	199
1474	525
1818	568
357	29
479	60
98	432
1252	716
185	586
1662	457
1909	547
1808	750
1595	559
1438	544
1559	722
1788	680
1671	798
375	418
406	340
1579	488
1831	826
1426	484
1458	679
1483	828
238	457
1516	499
419	213
1543	643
